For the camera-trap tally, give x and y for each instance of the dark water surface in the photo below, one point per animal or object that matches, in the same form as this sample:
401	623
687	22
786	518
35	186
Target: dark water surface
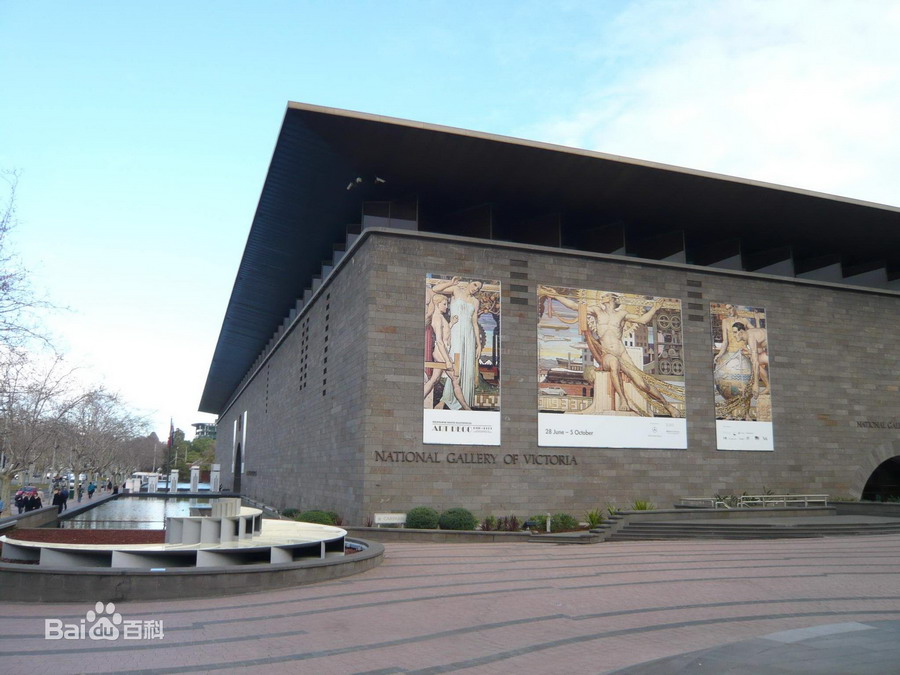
134	513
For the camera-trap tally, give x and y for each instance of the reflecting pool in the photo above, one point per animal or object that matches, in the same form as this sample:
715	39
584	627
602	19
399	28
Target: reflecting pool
135	513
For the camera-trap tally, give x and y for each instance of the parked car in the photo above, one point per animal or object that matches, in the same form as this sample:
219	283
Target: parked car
553	391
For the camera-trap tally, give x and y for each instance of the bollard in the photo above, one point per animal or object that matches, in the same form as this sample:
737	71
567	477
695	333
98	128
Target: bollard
548	522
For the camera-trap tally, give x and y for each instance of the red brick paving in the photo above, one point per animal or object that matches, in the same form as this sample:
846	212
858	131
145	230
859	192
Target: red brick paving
86	536
493	608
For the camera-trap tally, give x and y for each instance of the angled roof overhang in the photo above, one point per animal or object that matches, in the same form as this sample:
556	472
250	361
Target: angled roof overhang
305	208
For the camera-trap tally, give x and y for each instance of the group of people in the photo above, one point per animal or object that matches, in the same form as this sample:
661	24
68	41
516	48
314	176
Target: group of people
29	499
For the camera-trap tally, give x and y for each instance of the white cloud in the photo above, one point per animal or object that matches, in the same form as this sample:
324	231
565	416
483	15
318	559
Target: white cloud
802	93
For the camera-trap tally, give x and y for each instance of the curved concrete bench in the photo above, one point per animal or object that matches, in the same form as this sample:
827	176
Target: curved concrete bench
48	583
278	541
227	521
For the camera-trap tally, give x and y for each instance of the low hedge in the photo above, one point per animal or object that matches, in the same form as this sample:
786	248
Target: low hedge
457	519
559	522
422	518
316	516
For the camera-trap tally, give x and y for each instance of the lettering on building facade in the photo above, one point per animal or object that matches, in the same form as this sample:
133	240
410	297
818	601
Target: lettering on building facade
878	424
508	459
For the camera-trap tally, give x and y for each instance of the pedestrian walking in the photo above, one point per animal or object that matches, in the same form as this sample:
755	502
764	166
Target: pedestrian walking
33	503
58	500
19	500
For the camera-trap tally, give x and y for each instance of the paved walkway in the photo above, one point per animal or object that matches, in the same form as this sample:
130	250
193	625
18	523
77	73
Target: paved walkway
829	605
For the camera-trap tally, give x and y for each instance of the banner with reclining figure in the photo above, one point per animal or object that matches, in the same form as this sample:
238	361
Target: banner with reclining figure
610	370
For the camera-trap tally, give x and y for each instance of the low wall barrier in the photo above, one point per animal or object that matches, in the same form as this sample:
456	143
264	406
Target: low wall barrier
882	509
436	536
39	583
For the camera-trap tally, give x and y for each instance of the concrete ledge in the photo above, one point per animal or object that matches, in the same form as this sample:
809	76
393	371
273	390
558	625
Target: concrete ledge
33	583
38	518
883	509
694	513
437	536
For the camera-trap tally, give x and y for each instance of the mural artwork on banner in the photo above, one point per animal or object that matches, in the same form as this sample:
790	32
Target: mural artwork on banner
462	361
610	370
741	377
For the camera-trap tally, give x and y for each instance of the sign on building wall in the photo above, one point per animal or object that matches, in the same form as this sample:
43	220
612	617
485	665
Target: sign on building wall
462	361
610	370
741	377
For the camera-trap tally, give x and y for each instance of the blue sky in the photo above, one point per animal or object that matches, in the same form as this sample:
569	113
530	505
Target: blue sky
143	131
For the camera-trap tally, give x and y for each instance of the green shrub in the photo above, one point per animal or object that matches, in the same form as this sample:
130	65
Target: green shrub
488	524
290	513
422	518
642	505
457	519
335	518
539	522
559	522
612	509
594	517
315	516
563	522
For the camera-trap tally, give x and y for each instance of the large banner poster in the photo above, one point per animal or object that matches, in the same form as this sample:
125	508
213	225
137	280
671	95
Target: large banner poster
741	377
610	370
462	361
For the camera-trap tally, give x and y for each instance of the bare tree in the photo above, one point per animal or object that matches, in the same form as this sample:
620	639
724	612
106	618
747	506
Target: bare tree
35	397
99	430
18	303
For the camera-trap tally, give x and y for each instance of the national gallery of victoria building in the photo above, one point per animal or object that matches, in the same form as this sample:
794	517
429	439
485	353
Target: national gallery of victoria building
582	328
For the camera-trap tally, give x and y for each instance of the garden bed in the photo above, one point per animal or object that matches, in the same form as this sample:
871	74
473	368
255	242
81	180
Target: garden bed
80	536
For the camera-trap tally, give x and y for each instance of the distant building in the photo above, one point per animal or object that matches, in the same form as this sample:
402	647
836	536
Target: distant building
360	366
204	430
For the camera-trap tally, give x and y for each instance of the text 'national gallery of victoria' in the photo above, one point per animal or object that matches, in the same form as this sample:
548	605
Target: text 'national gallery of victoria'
582	329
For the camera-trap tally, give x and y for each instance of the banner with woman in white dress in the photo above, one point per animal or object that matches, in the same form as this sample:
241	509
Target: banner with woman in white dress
462	361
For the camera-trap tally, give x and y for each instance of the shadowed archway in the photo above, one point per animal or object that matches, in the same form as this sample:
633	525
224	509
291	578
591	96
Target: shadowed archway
884	483
238	460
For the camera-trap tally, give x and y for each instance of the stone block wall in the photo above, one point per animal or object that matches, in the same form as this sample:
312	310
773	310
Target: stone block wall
312	435
835	358
306	406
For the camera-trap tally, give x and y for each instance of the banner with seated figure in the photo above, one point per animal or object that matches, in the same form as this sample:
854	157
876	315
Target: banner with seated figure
741	377
610	370
462	361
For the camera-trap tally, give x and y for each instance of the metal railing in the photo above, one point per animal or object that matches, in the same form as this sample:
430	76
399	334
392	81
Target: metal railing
782	500
708	502
751	501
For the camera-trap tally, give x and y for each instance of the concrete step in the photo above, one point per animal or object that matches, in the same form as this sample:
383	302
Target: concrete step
588	537
657	531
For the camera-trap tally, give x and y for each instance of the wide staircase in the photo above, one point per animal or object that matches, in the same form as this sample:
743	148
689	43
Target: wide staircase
753	523
646	531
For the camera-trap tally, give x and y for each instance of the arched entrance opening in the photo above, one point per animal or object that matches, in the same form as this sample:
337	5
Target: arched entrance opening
236	470
884	483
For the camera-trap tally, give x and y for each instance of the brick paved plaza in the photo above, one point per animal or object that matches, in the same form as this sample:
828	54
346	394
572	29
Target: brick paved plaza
521	608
